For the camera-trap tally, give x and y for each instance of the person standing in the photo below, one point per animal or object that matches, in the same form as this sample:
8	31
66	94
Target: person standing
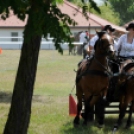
83	38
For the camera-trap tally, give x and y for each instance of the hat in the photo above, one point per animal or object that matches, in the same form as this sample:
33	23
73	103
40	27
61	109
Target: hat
131	25
108	27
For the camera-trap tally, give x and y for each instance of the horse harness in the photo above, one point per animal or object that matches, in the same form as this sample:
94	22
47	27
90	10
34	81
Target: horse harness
105	73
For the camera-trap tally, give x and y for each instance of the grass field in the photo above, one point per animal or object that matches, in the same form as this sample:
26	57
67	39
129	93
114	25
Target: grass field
54	81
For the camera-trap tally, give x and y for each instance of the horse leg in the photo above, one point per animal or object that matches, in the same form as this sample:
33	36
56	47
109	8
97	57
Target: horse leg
75	50
129	120
79	108
121	115
123	106
87	110
70	50
99	110
90	115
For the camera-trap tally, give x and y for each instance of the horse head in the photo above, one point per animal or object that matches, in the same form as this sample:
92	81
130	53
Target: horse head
126	71
104	46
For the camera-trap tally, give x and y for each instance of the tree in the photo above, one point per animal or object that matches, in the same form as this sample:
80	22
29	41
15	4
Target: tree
42	17
106	10
124	8
107	13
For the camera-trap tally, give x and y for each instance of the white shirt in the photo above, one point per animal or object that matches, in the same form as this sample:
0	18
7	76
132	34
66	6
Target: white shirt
93	40
126	49
92	43
83	37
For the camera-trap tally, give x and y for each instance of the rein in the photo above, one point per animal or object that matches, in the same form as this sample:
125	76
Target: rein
109	73
97	72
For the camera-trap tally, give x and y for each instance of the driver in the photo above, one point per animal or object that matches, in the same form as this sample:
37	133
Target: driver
125	44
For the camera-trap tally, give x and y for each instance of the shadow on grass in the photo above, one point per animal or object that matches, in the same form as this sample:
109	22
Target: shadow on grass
5	97
93	129
43	99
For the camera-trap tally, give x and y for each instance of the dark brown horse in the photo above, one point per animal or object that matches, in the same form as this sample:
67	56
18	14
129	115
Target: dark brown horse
126	88
92	77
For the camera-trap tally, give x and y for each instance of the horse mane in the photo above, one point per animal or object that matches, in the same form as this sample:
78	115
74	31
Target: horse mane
96	44
100	34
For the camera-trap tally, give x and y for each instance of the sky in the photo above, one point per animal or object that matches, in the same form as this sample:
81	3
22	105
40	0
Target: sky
99	2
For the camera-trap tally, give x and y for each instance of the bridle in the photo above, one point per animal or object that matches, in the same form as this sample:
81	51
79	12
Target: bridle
105	51
101	46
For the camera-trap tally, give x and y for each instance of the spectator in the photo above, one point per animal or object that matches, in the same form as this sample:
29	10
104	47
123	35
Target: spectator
83	38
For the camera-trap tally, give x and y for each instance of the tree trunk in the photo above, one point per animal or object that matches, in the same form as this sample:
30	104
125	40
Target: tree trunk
20	110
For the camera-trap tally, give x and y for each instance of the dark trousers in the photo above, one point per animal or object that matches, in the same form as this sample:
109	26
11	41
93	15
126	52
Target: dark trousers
84	51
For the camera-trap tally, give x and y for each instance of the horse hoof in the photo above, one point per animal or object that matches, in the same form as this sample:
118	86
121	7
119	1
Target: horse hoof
128	126
76	125
116	126
83	115
84	123
76	121
114	130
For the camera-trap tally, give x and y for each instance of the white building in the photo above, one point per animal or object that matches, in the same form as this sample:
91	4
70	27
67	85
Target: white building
11	30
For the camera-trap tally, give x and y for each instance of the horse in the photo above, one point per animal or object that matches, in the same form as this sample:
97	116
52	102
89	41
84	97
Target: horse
72	50
125	86
92	77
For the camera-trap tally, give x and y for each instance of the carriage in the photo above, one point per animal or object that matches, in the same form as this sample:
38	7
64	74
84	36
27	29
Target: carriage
101	89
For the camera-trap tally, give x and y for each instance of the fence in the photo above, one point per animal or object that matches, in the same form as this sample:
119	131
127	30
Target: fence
16	43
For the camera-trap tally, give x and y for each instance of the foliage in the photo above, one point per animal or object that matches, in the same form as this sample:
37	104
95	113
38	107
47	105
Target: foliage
47	18
86	4
105	11
124	8
108	14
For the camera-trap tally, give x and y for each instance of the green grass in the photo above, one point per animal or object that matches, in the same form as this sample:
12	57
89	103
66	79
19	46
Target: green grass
54	81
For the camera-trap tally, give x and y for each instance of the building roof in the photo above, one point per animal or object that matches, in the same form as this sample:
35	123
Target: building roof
76	13
73	11
93	20
12	21
128	23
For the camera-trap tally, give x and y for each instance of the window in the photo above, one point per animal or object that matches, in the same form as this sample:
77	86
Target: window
14	36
